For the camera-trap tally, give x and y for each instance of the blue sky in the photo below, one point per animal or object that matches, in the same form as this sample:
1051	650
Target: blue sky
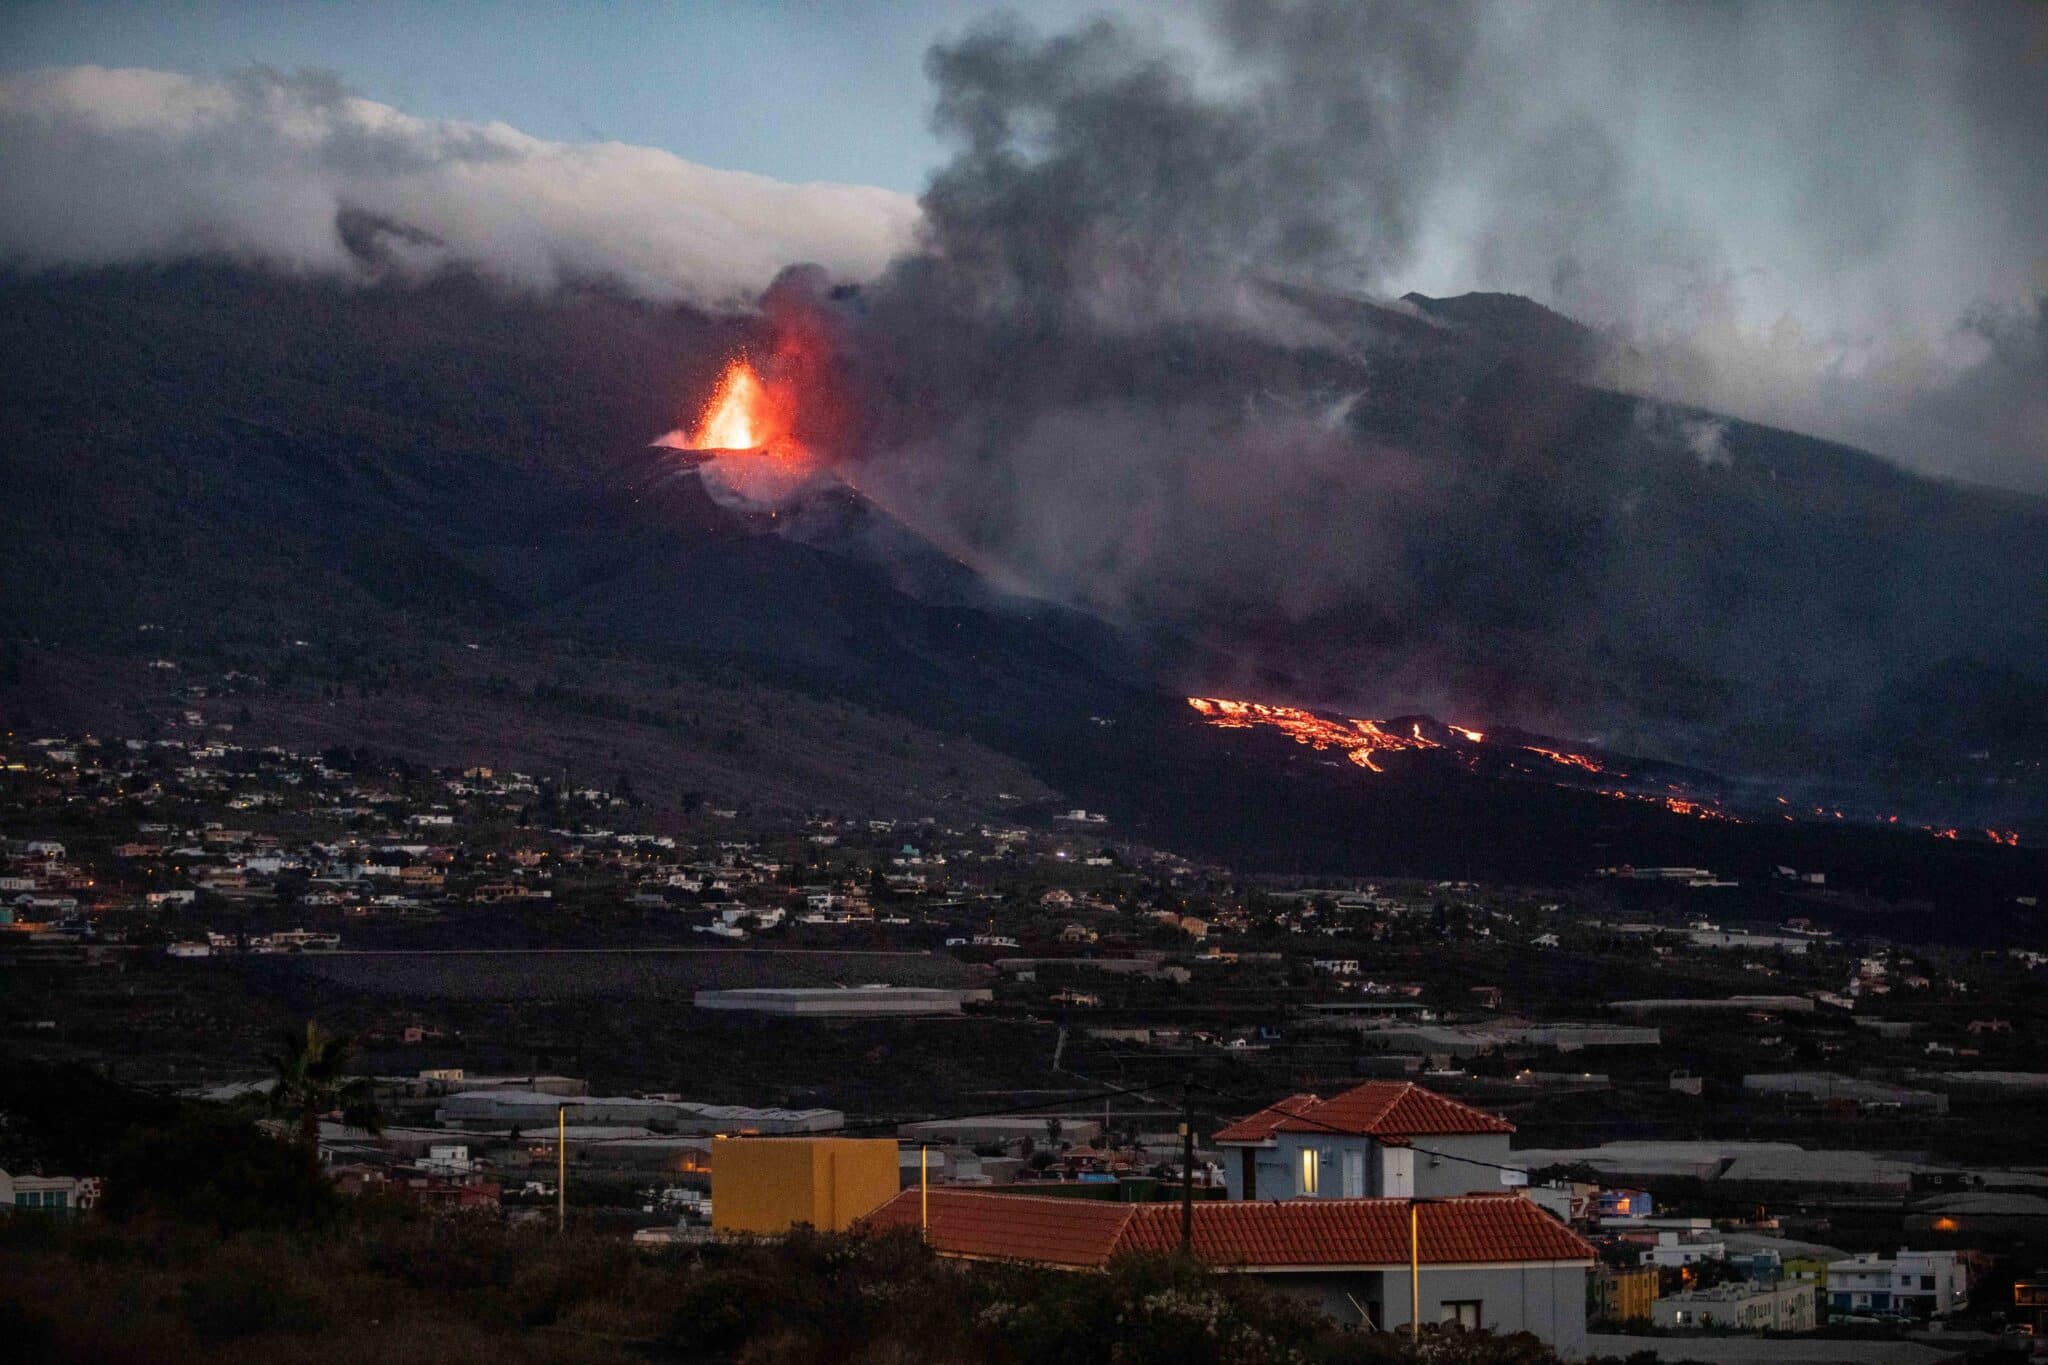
799	91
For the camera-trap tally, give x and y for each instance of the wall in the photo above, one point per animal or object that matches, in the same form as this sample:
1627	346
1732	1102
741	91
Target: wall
765	1186
1278	1174
1549	1301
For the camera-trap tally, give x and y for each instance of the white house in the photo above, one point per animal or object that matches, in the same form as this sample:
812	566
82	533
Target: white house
47	1193
1917	1284
1383	1139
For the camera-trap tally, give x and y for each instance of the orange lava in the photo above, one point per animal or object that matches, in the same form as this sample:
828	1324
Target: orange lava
1699	810
1359	739
1569	760
747	414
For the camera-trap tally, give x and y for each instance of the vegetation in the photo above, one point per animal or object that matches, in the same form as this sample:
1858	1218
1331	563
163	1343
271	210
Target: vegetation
312	1079
386	1286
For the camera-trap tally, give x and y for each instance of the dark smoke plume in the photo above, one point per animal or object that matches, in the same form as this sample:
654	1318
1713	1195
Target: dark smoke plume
1147	358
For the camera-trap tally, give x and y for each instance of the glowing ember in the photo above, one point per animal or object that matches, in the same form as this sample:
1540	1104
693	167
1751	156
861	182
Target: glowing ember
2009	838
1475	736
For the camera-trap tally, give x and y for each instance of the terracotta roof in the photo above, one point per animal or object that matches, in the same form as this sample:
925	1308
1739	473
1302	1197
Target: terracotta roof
1388	1111
1012	1227
1260	1126
1288	1234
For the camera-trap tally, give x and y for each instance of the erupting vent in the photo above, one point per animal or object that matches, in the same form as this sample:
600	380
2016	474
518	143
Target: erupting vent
746	439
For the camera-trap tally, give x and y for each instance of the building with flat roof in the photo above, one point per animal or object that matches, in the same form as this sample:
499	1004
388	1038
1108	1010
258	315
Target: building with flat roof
1746	1307
1825	1087
839	1002
1005	1129
1912	1284
766	1186
533	1111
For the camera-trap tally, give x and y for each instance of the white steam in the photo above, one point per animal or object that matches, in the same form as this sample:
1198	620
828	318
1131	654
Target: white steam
109	167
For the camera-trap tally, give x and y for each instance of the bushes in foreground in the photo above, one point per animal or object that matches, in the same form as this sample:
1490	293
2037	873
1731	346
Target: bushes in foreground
470	1289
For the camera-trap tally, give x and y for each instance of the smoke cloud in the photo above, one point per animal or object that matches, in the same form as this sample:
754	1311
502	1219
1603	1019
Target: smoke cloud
1147	355
1824	216
292	171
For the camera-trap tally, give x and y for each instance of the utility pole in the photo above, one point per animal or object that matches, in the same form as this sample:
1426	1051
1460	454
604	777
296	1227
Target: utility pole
1187	1167
924	1191
1414	1270
561	1168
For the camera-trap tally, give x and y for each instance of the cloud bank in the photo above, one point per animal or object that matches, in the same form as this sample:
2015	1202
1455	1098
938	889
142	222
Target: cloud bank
292	171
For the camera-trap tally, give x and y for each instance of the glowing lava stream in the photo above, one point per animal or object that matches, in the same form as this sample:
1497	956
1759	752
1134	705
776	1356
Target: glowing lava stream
1359	739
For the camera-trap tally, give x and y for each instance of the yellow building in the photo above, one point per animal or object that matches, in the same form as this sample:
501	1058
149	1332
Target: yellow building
1624	1295
769	1185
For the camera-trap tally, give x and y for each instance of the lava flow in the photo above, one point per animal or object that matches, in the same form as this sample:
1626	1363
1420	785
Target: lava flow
1359	739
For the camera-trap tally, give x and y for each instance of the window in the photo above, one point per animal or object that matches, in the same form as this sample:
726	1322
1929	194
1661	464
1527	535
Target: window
1460	1313
1927	1282
1311	1171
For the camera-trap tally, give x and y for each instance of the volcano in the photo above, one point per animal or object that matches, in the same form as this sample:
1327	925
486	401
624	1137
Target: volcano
219	462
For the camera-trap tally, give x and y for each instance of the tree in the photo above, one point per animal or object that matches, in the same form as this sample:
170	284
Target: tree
312	1080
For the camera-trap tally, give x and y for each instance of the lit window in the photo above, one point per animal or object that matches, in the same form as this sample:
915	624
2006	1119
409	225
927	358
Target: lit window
1461	1313
1311	1171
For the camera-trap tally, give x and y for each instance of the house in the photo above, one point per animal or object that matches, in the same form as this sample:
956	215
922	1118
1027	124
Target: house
47	1193
1676	1250
1389	1139
1749	1307
1914	1284
1494	1260
1617	1203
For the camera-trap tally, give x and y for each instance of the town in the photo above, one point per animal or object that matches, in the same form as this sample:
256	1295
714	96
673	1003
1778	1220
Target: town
1655	1109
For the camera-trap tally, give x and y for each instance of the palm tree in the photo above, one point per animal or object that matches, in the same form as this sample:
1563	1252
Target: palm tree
312	1081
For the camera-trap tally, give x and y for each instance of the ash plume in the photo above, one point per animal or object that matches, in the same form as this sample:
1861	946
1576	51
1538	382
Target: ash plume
1146	355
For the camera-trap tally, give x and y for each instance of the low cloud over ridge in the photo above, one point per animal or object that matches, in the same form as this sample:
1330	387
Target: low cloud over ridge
109	167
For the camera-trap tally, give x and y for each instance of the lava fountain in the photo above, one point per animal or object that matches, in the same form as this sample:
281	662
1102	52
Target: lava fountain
745	440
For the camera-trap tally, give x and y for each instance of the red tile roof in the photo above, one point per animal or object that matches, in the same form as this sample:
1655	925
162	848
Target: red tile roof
1013	1227
1250	1235
1260	1126
1388	1111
